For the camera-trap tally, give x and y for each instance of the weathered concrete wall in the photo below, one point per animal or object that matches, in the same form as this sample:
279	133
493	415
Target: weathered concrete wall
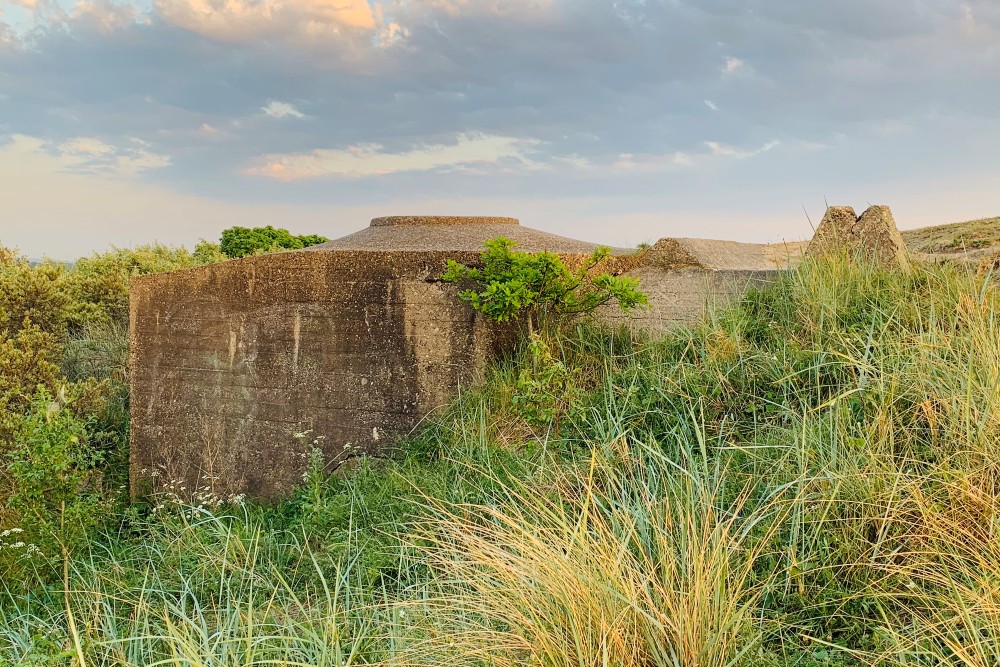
229	361
681	297
355	342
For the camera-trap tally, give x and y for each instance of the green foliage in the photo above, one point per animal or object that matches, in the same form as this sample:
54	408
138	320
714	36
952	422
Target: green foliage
54	468
97	286
64	332
244	241
807	478
33	294
510	285
9	256
547	388
206	252
312	239
28	359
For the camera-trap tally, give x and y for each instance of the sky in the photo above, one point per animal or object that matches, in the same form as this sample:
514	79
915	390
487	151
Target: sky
616	121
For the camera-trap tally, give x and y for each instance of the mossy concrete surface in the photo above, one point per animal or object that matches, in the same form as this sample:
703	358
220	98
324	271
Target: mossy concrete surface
231	361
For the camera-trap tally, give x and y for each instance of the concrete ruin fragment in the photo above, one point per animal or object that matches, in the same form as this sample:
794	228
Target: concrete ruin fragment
239	368
873	235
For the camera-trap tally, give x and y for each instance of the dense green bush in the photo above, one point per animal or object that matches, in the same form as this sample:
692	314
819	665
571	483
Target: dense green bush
97	285
539	287
243	241
63	391
58	494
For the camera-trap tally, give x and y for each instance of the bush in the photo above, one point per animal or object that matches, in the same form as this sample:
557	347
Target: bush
63	333
28	360
543	291
539	287
33	295
98	285
54	467
243	241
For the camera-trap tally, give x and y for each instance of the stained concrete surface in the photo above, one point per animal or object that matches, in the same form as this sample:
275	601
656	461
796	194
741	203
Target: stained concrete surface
354	342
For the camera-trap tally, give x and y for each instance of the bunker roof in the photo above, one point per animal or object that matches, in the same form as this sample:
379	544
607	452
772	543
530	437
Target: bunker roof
458	233
671	253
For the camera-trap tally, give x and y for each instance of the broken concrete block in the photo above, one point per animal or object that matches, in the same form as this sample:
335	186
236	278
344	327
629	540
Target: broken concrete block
873	236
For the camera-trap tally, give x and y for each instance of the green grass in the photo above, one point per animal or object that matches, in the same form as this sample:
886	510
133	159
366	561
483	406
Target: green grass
808	478
956	237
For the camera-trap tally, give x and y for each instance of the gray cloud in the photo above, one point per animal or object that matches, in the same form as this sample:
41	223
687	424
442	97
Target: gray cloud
611	93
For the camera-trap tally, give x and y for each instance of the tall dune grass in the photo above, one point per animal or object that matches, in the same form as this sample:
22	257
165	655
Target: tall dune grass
638	559
211	592
807	478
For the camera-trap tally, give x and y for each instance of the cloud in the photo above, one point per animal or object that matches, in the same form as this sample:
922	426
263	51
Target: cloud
649	163
94	156
469	152
53	208
723	150
277	109
106	16
27	4
261	100
250	20
586	77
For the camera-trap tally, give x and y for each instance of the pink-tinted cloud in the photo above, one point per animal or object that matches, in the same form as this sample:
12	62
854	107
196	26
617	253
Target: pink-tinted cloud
248	20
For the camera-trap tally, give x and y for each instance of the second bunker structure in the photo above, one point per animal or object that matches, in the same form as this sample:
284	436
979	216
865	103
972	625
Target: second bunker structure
352	343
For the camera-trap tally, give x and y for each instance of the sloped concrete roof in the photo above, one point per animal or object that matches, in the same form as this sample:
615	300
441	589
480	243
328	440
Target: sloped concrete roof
673	253
731	255
468	234
453	233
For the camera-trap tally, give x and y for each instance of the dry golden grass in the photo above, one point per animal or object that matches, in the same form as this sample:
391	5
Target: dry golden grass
638	561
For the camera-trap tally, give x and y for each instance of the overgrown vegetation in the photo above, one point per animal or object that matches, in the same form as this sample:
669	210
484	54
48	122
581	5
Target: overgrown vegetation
63	389
540	287
807	478
244	241
540	290
63	398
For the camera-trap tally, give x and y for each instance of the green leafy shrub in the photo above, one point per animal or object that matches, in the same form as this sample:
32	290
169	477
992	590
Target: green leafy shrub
64	333
546	387
28	360
55	469
33	294
542	290
244	241
98	285
539	287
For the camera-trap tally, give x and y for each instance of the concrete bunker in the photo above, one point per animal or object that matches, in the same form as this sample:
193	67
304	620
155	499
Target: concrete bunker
353	342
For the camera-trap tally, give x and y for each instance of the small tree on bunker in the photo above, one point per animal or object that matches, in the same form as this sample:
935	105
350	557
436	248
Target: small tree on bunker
542	290
539	287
